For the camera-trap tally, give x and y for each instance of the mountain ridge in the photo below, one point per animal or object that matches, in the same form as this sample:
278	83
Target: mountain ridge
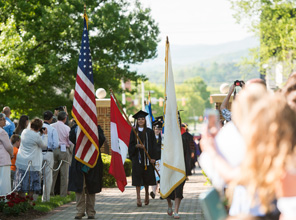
196	55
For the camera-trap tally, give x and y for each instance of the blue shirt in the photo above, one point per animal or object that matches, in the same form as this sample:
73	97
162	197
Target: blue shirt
52	136
9	127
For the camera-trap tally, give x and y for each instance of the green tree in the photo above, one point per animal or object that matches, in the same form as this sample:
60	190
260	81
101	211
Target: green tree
132	106
192	97
40	42
156	92
274	22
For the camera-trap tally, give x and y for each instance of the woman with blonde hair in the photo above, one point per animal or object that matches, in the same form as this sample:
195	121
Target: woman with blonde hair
289	91
270	157
268	166
223	153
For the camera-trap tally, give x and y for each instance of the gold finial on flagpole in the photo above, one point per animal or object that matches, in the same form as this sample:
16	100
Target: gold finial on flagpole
85	16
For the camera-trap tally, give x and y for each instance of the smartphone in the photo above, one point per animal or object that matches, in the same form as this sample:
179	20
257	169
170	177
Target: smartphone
211	120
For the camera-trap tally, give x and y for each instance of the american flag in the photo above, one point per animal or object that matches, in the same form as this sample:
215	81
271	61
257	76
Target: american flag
84	106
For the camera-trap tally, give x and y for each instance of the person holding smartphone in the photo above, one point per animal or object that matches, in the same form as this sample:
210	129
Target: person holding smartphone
56	112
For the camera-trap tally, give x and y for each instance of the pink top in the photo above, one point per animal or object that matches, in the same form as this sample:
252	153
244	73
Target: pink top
6	149
63	133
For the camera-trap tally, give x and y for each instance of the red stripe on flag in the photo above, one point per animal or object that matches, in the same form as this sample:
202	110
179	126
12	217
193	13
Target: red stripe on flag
85	149
85	125
78	142
93	157
85	88
85	107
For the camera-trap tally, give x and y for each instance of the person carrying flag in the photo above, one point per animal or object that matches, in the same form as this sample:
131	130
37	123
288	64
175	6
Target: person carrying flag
86	168
85	181
142	170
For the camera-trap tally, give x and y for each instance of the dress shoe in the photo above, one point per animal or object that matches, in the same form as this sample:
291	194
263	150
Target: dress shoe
79	216
152	195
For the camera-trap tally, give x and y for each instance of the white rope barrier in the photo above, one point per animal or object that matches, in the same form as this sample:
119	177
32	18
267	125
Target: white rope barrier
41	167
30	163
44	182
59	165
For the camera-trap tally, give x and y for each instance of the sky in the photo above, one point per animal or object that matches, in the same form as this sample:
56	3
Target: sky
192	22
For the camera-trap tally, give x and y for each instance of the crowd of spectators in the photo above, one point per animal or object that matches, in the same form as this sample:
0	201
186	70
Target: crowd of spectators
33	153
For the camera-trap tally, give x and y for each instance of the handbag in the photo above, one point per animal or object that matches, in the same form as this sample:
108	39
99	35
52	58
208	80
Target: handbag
212	205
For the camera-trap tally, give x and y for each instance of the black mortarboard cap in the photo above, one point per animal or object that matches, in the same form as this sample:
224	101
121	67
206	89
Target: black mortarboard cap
140	114
157	124
160	118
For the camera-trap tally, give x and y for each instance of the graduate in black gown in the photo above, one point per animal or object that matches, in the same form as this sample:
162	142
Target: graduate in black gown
188	145
142	170
177	194
157	127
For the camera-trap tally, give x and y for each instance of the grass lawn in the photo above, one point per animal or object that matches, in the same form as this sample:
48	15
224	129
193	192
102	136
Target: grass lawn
55	201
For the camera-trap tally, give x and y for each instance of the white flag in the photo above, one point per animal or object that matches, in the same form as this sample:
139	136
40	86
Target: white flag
172	156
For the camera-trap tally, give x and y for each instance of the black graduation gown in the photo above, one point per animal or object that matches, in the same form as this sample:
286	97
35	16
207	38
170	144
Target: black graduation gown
140	176
158	148
178	192
187	140
94	177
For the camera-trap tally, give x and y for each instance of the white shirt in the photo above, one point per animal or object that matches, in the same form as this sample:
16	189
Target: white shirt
30	150
53	138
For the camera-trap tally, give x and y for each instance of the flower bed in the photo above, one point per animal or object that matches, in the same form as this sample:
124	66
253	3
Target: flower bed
13	205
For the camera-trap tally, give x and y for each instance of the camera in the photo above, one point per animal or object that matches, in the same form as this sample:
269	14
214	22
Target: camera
239	83
60	108
42	129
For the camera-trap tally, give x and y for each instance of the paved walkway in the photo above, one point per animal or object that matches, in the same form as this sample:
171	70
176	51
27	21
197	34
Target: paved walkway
112	204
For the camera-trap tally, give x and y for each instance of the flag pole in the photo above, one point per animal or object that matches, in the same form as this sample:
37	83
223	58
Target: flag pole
167	45
126	118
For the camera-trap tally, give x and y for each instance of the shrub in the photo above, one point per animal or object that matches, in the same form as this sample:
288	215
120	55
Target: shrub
128	167
108	179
